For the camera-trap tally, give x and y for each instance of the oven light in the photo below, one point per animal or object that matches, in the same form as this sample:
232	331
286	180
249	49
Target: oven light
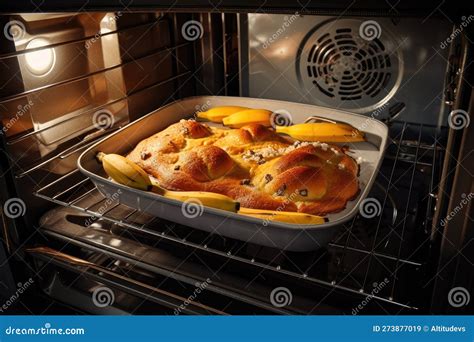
40	62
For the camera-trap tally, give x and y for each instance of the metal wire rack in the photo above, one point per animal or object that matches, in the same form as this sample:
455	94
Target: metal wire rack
390	248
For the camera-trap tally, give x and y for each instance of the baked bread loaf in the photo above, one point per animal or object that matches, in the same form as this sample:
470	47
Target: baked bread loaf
252	164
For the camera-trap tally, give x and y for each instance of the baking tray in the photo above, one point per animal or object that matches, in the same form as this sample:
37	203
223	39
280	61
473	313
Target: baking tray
285	236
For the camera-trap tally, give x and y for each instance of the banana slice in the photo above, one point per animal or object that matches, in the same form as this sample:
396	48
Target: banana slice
247	117
126	172
216	114
282	216
323	132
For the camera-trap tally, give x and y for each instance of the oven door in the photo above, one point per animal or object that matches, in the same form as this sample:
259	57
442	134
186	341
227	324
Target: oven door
101	70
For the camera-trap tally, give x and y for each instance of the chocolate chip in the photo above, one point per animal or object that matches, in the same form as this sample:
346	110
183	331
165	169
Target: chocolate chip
268	178
251	152
281	190
176	167
245	182
303	192
261	161
145	155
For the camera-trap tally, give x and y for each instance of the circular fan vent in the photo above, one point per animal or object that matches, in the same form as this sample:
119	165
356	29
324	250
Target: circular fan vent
346	70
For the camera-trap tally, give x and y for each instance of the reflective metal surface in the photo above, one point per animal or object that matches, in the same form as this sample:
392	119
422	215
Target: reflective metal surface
356	64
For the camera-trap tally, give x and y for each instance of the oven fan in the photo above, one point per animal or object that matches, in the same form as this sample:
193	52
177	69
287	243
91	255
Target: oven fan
349	71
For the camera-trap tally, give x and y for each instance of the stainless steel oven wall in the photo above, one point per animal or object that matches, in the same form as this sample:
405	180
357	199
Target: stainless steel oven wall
366	65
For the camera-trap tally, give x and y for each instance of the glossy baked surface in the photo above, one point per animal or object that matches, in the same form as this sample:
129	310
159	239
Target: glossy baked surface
253	165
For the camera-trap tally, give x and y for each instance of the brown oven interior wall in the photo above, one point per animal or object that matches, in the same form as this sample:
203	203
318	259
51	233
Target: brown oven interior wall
68	79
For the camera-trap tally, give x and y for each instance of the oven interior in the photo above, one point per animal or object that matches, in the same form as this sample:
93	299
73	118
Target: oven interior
70	79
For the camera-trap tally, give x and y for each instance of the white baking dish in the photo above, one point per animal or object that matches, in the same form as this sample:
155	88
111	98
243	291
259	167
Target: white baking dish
280	235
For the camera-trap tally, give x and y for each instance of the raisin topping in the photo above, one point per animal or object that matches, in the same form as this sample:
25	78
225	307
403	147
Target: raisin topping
281	190
145	155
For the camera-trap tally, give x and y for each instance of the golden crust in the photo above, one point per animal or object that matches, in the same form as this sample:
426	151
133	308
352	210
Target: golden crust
252	164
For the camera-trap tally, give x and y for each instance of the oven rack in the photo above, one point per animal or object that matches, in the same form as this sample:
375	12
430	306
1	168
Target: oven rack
386	245
23	144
